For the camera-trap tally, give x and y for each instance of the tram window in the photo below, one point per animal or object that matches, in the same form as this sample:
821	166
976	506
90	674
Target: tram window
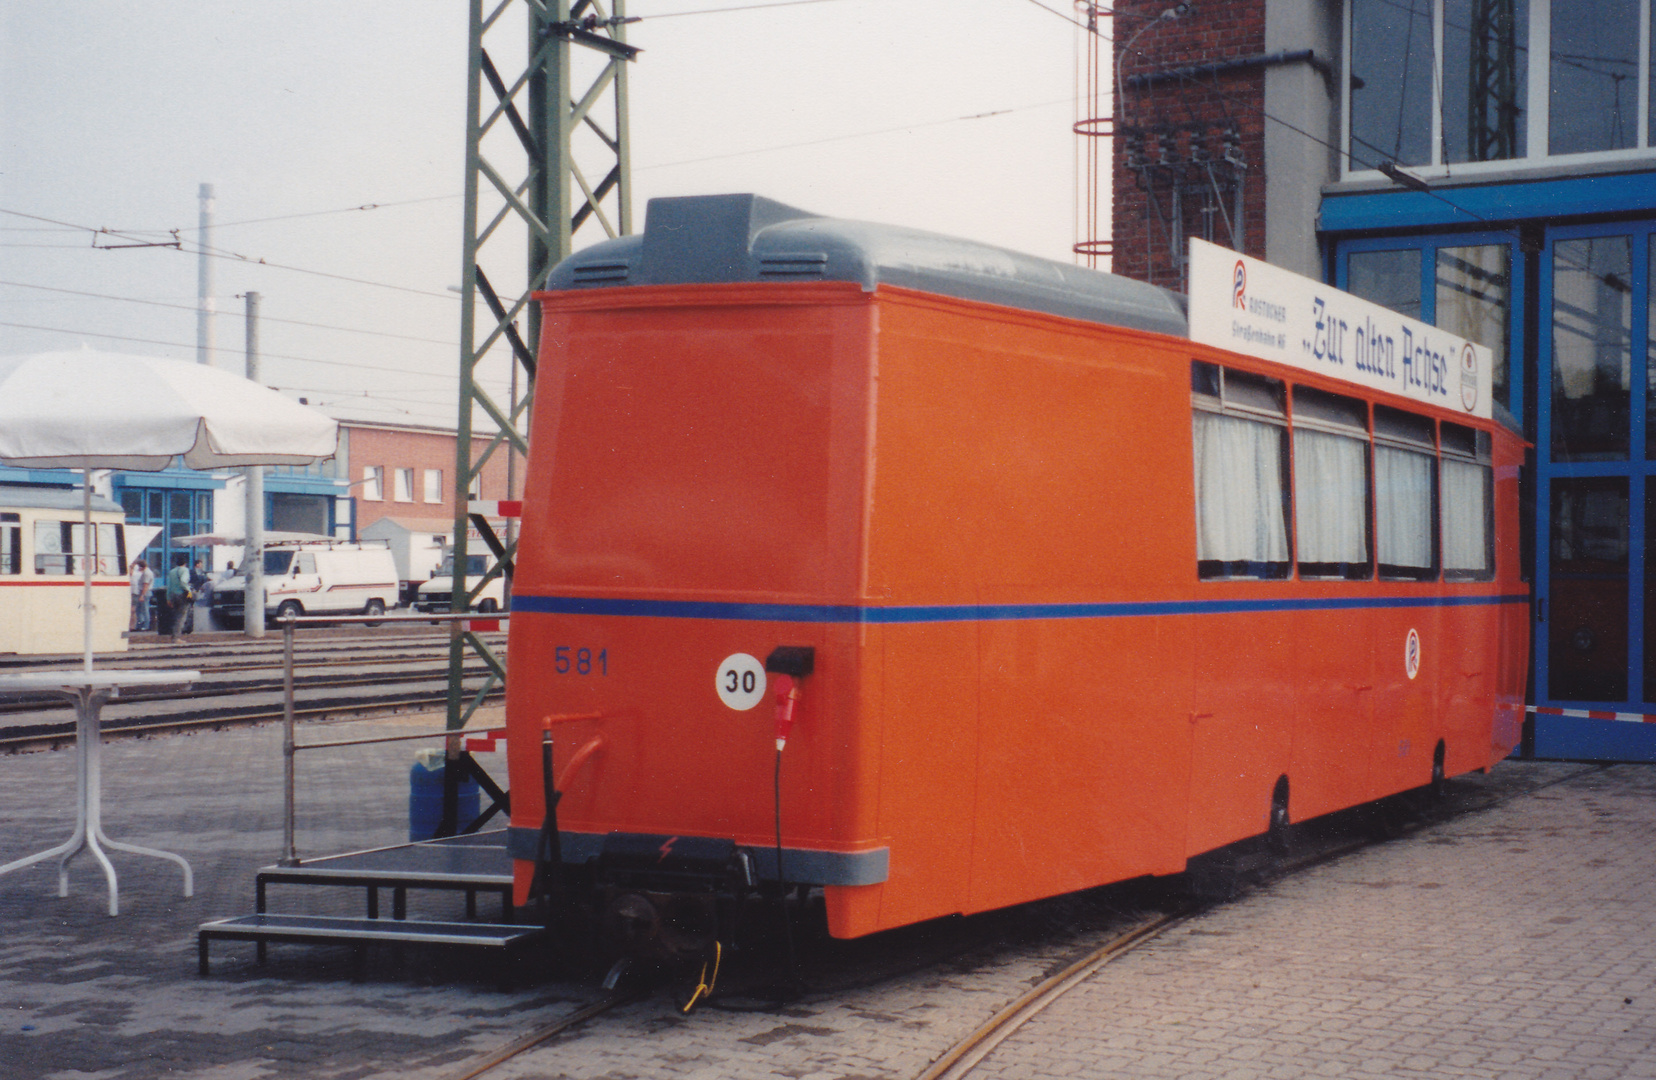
111	551
1239	429
11	544
58	543
1405	462
1331	479
51	544
1468	484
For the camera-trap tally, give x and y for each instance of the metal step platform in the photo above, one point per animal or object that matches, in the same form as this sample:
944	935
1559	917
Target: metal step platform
473	863
326	929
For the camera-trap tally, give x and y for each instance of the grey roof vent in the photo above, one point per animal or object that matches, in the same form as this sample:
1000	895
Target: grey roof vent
603	272
811	264
708	239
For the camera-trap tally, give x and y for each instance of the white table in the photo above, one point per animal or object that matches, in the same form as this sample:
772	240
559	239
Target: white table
89	689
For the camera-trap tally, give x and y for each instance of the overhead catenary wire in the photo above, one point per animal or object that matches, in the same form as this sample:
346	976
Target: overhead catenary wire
727	10
269	356
1099	8
218	253
262	317
855	135
340	210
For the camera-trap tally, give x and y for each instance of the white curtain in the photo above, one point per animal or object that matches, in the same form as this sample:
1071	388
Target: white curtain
1403	507
1330	498
1239	490
1465	516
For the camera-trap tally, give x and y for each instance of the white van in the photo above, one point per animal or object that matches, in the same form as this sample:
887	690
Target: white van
317	577
437	595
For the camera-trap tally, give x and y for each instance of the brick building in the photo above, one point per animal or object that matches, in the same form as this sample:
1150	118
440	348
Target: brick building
406	471
1487	166
1194	154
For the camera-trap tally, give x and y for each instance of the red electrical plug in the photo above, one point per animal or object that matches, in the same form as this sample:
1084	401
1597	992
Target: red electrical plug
787	695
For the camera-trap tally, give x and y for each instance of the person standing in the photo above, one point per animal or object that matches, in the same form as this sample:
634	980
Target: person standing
143	585
180	598
201	585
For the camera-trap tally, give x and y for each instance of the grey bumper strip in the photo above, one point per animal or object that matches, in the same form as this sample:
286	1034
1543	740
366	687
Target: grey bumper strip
802	866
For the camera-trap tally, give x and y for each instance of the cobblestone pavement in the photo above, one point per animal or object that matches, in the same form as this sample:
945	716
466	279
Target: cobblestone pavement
1518	931
1519	943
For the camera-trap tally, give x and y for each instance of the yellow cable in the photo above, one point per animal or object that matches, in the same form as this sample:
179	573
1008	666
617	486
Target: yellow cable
704	986
701	988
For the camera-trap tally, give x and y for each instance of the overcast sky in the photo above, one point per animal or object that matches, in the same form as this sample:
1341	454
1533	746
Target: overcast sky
948	115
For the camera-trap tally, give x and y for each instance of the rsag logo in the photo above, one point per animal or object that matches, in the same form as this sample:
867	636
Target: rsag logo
1239	287
1469	378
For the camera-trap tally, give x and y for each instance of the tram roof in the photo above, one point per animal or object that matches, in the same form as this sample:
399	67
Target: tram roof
24	497
702	239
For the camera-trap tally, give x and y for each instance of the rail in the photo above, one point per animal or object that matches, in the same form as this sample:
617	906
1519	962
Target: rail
965	1055
290	747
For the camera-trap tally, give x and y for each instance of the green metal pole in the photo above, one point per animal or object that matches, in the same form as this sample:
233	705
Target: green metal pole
468	359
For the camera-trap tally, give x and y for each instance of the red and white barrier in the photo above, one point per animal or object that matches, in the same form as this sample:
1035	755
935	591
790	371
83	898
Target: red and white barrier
1592	714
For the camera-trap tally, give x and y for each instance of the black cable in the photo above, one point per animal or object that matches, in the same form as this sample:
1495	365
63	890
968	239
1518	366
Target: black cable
727	10
781	879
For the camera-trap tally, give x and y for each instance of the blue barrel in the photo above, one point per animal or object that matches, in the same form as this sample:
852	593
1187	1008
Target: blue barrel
425	797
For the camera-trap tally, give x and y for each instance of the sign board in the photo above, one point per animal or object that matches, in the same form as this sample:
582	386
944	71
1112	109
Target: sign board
1251	307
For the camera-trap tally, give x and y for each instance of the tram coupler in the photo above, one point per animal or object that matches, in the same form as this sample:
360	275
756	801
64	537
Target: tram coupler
669	898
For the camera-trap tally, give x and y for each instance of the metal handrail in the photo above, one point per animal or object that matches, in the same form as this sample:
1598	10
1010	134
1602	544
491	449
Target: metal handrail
290	747
317	620
470	733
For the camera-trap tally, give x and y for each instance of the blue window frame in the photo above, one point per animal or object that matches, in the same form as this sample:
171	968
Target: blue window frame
1469	283
180	501
1595	460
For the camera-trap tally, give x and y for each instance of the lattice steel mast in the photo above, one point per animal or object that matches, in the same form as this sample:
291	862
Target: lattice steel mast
523	139
1492	90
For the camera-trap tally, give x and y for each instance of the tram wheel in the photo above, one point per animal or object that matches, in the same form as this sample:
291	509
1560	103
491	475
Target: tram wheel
1439	784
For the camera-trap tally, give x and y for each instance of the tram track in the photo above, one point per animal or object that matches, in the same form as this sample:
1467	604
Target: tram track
1318	842
964	1056
56	736
218	688
488	1062
264	655
338	676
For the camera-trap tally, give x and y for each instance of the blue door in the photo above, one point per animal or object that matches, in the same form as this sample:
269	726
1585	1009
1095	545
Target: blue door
1595	453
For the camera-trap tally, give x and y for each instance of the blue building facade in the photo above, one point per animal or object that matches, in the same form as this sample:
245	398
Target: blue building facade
1488	166
1498	179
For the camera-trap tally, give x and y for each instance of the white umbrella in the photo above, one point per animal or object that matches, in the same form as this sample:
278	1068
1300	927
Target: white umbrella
95	410
271	536
86	409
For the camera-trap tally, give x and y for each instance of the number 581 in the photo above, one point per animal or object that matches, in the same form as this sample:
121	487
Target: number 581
580	660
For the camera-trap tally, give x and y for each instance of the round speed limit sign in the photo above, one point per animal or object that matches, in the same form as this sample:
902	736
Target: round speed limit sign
740	681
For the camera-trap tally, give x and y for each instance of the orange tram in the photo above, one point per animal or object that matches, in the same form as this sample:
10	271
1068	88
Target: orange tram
1037	592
